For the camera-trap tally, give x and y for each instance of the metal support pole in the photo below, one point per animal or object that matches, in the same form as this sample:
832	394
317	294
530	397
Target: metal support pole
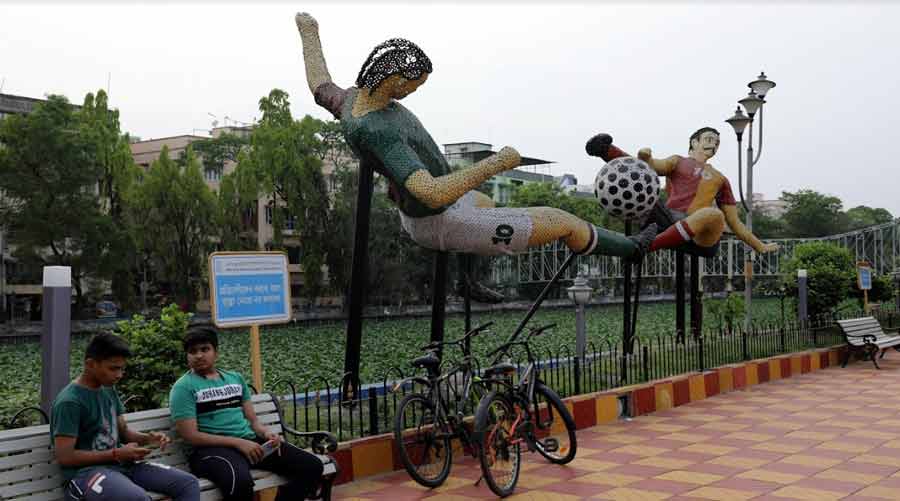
439	299
627	341
358	278
802	292
748	252
580	345
467	301
696	299
679	296
2	276
56	337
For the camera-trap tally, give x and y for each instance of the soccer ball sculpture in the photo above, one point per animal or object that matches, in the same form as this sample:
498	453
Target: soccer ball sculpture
627	188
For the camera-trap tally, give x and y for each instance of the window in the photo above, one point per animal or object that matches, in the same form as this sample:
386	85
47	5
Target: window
293	255
214	175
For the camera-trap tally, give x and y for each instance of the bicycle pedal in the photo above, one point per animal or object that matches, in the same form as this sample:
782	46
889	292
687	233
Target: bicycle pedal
550	444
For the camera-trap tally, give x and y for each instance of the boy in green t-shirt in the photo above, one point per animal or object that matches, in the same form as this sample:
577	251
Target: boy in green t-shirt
213	414
88	430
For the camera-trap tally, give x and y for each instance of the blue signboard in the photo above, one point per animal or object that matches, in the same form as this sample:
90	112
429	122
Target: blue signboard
249	288
865	277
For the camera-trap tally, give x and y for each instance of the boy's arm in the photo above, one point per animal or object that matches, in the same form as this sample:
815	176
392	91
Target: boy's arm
68	455
316	69
662	166
741	231
436	192
154	437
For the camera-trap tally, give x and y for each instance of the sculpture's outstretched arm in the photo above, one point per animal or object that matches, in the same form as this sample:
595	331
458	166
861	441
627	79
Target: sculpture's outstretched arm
316	70
741	231
662	166
436	192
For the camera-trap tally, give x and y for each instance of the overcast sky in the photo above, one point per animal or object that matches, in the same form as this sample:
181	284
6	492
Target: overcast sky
542	78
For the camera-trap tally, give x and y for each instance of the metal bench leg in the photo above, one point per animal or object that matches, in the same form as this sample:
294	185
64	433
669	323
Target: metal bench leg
873	350
847	353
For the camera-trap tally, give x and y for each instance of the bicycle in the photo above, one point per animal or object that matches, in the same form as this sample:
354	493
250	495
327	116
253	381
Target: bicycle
425	447
528	412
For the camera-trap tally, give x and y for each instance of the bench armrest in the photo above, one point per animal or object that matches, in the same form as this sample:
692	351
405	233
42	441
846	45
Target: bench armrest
321	442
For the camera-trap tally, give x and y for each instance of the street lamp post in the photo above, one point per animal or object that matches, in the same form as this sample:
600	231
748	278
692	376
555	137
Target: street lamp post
753	104
580	294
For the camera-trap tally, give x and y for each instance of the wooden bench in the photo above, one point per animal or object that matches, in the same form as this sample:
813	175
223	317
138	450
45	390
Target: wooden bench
866	334
29	472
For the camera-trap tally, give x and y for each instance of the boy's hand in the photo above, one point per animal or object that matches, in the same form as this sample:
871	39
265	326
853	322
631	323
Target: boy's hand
160	439
252	450
131	452
304	20
645	154
275	437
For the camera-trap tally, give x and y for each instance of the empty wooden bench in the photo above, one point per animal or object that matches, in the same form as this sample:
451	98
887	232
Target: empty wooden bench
866	334
29	472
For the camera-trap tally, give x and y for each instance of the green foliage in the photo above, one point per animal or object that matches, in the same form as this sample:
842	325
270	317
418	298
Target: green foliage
175	213
284	159
728	312
862	216
551	195
831	274
766	227
157	357
882	290
813	214
217	151
48	174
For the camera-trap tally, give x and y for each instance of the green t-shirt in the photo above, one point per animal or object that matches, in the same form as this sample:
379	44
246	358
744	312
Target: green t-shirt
91	416
216	404
393	139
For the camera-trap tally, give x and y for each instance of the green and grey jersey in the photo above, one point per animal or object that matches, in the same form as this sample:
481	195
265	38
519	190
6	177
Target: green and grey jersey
216	404
392	139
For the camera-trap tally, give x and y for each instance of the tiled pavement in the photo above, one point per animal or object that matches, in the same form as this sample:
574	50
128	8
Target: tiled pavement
830	434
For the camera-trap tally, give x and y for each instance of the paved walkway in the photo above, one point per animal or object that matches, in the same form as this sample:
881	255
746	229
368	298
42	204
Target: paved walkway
830	434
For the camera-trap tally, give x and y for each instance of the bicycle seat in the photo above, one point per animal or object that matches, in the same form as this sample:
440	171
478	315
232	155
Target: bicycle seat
499	369
429	361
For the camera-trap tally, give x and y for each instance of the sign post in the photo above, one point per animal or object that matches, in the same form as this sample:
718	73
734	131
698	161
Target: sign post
864	280
250	289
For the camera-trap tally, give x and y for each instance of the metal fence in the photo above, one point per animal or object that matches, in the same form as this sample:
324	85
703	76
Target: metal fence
878	244
605	366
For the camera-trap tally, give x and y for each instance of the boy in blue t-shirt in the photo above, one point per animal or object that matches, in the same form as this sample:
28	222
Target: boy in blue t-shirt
88	430
213	414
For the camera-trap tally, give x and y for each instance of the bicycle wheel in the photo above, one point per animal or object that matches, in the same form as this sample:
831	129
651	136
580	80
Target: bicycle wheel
424	447
554	430
498	444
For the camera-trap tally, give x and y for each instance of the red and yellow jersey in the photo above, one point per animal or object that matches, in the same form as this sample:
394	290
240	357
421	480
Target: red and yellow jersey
692	186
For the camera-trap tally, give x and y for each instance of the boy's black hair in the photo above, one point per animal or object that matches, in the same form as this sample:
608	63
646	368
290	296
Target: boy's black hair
396	56
199	334
106	345
700	131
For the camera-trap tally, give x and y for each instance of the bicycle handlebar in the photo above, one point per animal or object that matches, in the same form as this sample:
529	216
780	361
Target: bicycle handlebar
472	333
537	331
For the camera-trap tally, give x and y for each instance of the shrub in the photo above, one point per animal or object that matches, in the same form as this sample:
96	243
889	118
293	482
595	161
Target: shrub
727	312
831	275
157	357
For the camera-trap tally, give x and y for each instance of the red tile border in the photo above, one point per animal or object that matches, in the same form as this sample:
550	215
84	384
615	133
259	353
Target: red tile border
344	458
762	371
786	367
682	392
711	381
644	400
805	364
585	413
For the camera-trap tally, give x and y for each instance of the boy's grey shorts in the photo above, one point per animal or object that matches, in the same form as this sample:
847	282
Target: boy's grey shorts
463	227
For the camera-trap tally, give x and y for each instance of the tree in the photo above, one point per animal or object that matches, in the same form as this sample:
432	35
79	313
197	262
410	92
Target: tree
176	211
49	174
831	274
99	127
217	151
766	227
813	214
862	216
283	159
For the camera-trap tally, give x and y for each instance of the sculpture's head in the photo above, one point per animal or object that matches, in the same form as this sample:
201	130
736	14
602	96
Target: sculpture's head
396	66
704	143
